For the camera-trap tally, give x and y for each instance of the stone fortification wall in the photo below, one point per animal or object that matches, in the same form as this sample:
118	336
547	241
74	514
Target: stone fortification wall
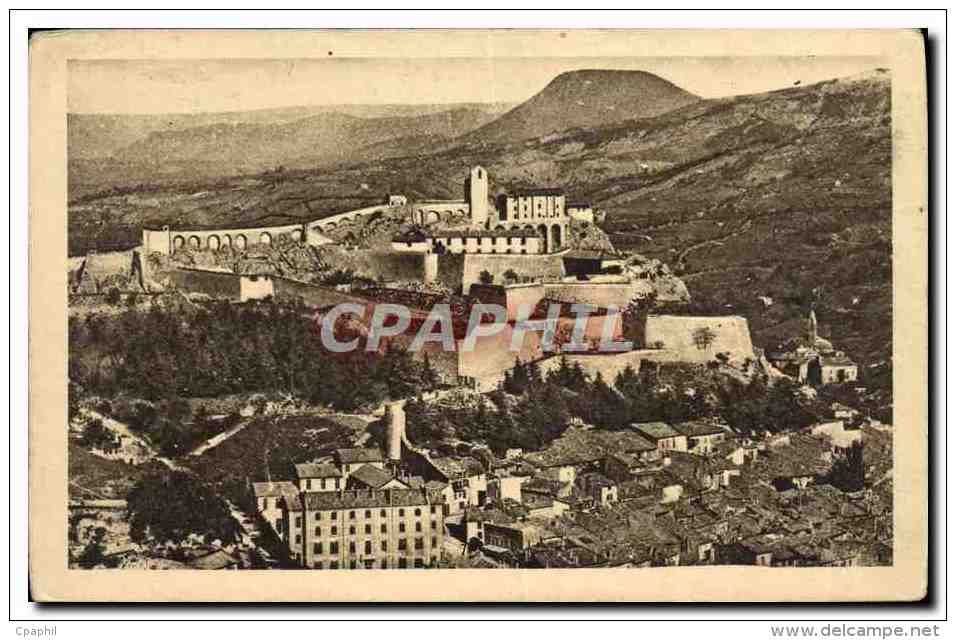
485	365
536	267
700	338
512	297
601	294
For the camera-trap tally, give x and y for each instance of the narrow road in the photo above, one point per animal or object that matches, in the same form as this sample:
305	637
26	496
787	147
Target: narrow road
218	439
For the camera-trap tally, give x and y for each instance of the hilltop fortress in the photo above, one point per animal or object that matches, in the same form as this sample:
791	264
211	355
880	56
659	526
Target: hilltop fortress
516	249
518	237
528	221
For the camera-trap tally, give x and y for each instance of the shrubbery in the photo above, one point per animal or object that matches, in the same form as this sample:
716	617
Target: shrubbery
162	353
531	410
173	506
96	436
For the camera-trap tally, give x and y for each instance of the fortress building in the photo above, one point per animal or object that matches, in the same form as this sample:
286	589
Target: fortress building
540	210
528	221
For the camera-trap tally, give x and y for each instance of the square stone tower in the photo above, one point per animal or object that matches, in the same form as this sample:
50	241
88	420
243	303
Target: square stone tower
476	188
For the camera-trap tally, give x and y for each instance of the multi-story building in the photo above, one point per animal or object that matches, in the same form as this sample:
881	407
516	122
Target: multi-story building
349	460
541	210
269	497
318	477
664	436
366	529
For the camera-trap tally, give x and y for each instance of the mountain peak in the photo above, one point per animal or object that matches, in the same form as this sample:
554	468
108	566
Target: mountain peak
587	98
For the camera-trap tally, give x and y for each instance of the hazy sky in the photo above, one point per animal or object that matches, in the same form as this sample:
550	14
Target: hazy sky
188	86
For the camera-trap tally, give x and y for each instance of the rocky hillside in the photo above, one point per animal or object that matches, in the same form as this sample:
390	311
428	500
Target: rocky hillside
587	99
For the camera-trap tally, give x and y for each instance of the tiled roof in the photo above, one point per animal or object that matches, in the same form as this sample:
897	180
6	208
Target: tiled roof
579	446
698	428
536	500
371	476
351	456
802	457
454	468
435	485
309	470
273	489
331	500
656	430
836	361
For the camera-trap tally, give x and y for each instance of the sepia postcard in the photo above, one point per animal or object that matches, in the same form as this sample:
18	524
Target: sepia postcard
478	316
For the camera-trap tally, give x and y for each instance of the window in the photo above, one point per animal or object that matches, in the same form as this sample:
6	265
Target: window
419	563
434	542
433	508
298	521
334	564
402	563
317	547
382	513
353	564
384	563
402	544
317	565
384	545
401	527
318	531
337	483
418	527
418	512
318	515
334	548
351	531
335	514
298	538
335	531
368	514
384	528
368	528
434	525
368	546
401	513
351	515
351	547
323	484
419	543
